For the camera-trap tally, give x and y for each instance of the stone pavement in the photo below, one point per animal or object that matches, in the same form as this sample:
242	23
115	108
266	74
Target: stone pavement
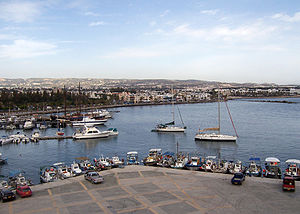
140	189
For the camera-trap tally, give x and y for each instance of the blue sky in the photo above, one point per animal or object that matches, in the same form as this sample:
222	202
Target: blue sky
230	41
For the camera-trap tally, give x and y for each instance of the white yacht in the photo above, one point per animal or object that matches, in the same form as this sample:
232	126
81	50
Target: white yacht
28	124
89	133
88	121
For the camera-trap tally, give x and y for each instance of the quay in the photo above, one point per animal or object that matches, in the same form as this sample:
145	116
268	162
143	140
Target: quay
141	189
55	137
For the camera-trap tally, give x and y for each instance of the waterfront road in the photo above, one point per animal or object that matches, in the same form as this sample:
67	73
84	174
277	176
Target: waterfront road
140	189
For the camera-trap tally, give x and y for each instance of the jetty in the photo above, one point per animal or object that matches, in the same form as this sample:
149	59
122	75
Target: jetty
55	137
141	189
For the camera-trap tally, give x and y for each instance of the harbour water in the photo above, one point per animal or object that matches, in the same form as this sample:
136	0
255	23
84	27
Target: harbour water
265	129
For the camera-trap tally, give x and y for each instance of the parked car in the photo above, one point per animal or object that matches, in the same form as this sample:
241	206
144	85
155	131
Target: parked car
93	177
6	195
238	178
288	184
24	191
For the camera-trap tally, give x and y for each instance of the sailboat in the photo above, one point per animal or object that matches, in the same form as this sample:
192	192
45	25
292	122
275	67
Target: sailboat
202	135
170	127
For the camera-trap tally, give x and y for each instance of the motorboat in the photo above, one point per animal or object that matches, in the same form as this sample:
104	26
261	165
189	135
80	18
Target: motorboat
116	162
153	157
18	137
112	131
105	162
210	164
194	163
48	174
2	160
28	125
5	140
272	169
62	170
10	127
254	169
75	170
16	178
103	113
293	169
60	132
237	167
167	160
85	164
89	133
132	158
89	121
35	137
180	162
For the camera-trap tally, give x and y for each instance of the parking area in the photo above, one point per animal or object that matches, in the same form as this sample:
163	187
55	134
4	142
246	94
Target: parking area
140	189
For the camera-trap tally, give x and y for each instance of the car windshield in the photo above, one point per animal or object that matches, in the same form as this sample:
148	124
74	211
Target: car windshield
94	175
25	190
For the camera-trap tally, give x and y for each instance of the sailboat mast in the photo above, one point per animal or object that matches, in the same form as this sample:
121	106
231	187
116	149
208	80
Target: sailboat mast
173	104
219	112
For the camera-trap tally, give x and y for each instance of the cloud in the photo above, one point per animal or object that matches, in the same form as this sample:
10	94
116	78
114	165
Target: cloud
89	13
244	32
92	24
26	49
134	53
19	11
164	13
152	23
210	12
287	18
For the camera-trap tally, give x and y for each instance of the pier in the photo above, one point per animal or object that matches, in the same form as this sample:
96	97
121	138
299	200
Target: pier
141	189
55	137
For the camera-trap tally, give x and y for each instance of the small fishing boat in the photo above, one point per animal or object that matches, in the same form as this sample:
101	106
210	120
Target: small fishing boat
237	167
62	170
116	162
167	160
2	160
85	164
48	174
194	163
180	162
210	164
5	140
153	157
75	170
28	125
272	169
254	168
90	133
60	132
132	158
16	178
293	169
105	162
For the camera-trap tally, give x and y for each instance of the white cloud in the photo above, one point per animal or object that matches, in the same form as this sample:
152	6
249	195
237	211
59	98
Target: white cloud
92	24
152	23
245	32
287	18
134	53
19	11
164	13
89	13
26	49
210	12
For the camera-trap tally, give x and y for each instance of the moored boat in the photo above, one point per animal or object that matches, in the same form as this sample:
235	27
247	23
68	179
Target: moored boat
90	133
254	168
132	158
153	157
293	169
194	163
88	121
272	169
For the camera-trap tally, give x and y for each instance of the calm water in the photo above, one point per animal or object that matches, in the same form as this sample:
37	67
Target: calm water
264	129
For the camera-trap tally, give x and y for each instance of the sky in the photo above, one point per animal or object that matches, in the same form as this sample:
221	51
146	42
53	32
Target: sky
214	40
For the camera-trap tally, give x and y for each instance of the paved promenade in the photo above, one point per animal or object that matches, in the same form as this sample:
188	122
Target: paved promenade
140	189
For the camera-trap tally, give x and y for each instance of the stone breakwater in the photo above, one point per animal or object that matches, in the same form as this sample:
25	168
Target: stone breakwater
140	189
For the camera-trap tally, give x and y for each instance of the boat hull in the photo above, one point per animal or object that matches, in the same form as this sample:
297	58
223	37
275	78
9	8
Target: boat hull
170	129
78	137
215	137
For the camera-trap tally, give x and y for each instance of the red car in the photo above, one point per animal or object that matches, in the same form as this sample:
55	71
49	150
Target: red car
288	184
24	191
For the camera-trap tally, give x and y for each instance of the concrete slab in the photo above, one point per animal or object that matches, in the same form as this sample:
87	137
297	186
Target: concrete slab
40	193
32	204
145	187
152	173
112	192
140	211
62	200
178	208
123	203
126	175
159	197
72	187
90	208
